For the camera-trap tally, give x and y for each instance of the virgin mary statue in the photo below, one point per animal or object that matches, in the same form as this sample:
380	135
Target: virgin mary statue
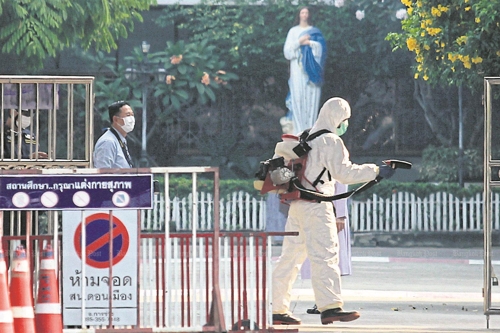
305	48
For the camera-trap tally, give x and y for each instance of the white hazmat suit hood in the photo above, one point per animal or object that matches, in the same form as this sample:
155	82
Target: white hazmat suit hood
329	152
332	114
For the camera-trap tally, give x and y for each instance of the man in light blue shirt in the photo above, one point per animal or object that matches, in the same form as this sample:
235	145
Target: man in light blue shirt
111	149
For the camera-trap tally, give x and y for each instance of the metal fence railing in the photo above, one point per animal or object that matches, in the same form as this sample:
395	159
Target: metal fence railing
60	110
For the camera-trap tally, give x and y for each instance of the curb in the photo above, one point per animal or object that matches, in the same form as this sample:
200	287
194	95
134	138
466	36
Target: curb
414	260
422	260
447	239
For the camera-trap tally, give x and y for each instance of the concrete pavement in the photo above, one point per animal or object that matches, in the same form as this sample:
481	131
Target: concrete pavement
407	290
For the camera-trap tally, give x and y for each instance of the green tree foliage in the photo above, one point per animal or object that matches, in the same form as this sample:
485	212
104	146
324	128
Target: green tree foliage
250	38
195	71
251	34
182	187
440	164
180	76
191	75
35	30
387	188
454	41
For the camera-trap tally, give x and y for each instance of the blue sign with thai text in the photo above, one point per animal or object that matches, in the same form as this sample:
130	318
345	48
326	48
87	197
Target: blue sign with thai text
75	192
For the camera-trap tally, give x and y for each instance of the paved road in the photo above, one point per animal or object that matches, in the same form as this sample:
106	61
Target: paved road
408	290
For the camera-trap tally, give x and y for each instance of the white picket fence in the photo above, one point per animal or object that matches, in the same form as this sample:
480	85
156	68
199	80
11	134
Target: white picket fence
240	211
402	212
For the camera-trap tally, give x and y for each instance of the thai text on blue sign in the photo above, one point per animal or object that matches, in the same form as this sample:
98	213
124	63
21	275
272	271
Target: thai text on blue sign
31	97
75	192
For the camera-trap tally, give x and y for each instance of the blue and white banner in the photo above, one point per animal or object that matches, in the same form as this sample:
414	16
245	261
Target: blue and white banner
32	98
75	192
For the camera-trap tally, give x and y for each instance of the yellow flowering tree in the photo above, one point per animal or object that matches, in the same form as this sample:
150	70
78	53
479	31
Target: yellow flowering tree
454	41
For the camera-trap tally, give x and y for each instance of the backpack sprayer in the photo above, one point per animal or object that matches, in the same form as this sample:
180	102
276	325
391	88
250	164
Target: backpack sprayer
276	176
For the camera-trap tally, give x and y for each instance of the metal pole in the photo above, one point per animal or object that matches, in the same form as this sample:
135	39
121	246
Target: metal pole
144	159
145	75
487	213
84	265
460	139
110	271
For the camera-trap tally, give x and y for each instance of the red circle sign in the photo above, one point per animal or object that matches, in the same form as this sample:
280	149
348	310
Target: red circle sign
98	242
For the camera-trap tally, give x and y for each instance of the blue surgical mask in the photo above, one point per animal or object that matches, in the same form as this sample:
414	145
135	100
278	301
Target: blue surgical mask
342	128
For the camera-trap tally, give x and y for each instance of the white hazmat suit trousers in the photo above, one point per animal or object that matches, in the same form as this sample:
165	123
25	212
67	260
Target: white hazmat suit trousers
314	221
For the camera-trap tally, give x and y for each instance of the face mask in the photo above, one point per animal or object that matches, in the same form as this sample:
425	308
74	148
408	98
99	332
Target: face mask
129	123
342	128
25	121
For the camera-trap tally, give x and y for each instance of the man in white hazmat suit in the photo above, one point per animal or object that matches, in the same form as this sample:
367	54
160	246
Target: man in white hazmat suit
316	222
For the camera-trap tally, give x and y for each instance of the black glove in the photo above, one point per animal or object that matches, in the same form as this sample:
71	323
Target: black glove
386	171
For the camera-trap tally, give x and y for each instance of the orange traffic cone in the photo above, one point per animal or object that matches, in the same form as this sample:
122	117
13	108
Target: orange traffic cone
48	308
21	293
6	319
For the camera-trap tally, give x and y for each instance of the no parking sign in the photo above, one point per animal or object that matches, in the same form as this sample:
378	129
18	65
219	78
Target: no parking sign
98	240
97	258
